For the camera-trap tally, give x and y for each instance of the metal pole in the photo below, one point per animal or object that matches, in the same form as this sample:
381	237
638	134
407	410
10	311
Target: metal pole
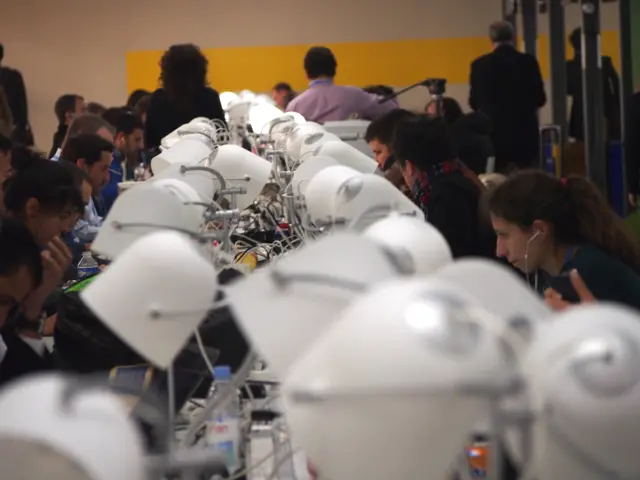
557	61
510	13
592	90
530	26
626	84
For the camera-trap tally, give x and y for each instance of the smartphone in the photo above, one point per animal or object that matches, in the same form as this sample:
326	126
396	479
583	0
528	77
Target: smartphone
562	284
478	459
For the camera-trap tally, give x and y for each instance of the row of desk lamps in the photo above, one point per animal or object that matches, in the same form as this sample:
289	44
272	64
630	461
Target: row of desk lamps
388	353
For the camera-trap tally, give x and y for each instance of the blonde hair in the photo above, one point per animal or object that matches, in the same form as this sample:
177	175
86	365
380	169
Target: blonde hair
492	180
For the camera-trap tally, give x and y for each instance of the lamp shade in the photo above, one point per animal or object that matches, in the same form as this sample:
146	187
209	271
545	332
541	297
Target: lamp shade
583	372
384	392
312	142
201	181
353	132
236	166
189	150
322	191
298	135
228	98
155	294
159	205
347	155
361	201
238	112
414	240
281	322
87	437
261	115
307	170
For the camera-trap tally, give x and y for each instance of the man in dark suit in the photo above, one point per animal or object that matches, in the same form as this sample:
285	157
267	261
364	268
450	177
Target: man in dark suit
507	86
13	85
611	92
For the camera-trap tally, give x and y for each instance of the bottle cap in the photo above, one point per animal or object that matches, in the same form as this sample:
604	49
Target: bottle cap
222	372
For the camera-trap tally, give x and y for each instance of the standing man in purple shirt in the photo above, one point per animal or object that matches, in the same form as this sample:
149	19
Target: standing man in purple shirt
324	101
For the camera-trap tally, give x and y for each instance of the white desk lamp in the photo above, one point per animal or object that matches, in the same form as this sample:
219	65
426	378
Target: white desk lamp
307	170
298	135
242	170
203	182
228	98
247	95
197	126
238	112
155	294
412	237
357	202
312	143
261	115
393	388
347	155
50	428
323	188
287	305
147	207
583	372
190	149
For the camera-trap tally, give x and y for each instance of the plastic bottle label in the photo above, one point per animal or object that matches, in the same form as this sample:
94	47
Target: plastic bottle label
84	272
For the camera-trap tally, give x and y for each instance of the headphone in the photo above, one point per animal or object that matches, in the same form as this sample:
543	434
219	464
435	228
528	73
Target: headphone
535	235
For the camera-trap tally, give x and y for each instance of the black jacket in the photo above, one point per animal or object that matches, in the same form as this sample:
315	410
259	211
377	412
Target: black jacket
163	117
20	359
472	136
507	86
13	84
611	98
58	138
454	208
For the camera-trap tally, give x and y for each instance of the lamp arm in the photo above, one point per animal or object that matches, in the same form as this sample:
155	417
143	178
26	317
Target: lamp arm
123	226
283	280
223	183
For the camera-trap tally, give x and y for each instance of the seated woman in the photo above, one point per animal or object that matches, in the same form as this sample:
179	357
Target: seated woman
450	200
45	198
556	226
471	133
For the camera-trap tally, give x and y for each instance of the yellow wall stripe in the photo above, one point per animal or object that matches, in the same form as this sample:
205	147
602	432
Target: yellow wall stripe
397	63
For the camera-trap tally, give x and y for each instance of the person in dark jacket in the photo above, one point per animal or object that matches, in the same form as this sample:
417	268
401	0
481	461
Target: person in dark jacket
425	149
611	92
66	108
471	133
13	84
507	86
184	94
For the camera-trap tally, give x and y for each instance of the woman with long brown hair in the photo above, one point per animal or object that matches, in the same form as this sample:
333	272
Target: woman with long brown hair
184	94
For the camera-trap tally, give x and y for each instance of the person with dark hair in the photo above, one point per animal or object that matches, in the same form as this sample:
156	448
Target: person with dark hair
324	101
379	135
611	92
471	133
184	95
506	85
558	226
93	154
85	123
66	108
12	83
424	147
136	96
127	155
96	108
112	114
282	94
142	107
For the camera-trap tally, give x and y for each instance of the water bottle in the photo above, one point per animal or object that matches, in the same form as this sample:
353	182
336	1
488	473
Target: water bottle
139	173
87	266
223	431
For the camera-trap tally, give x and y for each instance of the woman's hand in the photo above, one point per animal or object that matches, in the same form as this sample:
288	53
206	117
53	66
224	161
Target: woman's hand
554	300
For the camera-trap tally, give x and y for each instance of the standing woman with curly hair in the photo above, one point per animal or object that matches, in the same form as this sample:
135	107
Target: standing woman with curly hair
184	94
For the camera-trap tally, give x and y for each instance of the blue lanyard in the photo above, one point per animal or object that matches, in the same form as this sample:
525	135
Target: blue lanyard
321	81
568	256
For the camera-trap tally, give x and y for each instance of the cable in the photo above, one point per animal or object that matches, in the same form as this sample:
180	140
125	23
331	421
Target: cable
203	351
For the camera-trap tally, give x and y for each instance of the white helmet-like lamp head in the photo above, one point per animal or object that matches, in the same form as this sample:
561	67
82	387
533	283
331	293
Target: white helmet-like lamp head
357	202
419	243
303	293
583	372
347	155
192	149
298	135
49	430
165	203
307	170
228	98
392	374
155	294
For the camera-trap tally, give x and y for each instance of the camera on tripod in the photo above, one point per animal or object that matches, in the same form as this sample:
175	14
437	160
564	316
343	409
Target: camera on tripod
436	86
